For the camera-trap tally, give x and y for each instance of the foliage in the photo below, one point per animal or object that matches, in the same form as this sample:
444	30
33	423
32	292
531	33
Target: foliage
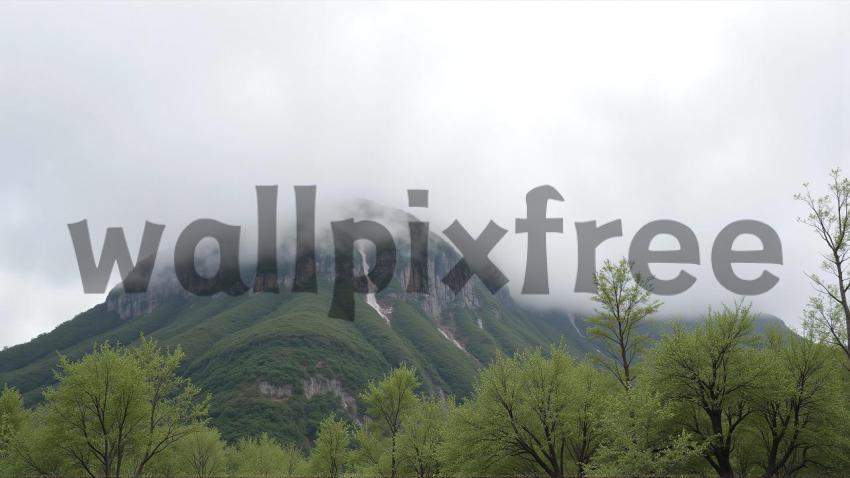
330	455
12	419
33	449
202	453
717	378
12	413
119	407
370	457
174	406
715	393
533	411
803	419
640	439
389	401
99	410
423	435
828	313
625	300
264	457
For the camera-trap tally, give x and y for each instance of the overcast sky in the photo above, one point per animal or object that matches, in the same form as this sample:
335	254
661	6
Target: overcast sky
701	112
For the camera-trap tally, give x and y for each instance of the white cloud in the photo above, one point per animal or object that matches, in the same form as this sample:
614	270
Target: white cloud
701	112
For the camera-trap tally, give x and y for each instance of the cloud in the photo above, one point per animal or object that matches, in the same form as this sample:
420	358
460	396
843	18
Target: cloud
703	113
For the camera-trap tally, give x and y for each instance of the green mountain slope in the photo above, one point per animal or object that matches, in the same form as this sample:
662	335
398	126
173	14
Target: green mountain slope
276	362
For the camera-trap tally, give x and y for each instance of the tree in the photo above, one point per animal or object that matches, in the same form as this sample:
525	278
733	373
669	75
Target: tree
330	454
798	419
589	398
12	418
715	375
295	463
99	409
534	412
423	435
33	448
201	453
369	456
389	401
174	408
263	456
121	406
640	438
828	313
625	300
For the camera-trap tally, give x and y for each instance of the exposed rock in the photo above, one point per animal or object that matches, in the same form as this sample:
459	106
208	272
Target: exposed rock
271	390
447	334
132	305
320	385
442	258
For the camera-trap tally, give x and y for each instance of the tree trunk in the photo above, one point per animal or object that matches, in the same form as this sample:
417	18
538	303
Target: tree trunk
845	306
393	470
721	450
724	464
581	471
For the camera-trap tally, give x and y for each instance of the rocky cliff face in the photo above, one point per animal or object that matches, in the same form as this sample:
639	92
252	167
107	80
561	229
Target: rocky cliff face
132	305
442	257
318	385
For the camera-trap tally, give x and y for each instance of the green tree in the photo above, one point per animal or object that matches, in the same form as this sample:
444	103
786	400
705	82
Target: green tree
331	451
717	378
167	464
120	407
99	409
389	401
828	313
263	457
12	412
32	449
800	419
12	418
640	437
532	412
201	453
174	407
422	437
295	461
625	301
590	392
369	456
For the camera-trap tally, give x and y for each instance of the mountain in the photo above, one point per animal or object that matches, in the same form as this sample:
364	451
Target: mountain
276	362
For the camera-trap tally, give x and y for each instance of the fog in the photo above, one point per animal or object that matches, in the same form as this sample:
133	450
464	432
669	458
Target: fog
704	113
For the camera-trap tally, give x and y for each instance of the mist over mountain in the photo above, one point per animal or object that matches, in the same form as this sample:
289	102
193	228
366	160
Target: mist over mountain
276	362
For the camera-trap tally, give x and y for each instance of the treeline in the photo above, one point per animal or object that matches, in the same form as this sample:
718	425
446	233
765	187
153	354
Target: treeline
713	399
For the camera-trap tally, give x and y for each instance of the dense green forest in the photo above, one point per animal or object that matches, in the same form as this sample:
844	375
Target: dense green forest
720	398
714	399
